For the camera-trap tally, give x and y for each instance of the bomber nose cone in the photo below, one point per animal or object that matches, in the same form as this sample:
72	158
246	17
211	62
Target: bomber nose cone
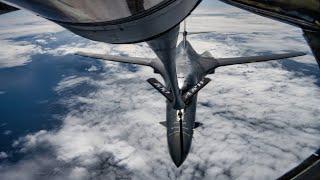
179	147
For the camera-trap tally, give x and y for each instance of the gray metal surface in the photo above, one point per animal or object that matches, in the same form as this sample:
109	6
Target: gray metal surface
4	8
309	169
165	48
87	11
209	64
313	39
110	21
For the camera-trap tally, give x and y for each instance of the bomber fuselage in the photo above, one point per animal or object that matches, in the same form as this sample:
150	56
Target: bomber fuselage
181	123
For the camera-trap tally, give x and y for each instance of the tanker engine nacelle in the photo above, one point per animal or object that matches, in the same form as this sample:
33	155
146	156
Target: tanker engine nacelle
112	21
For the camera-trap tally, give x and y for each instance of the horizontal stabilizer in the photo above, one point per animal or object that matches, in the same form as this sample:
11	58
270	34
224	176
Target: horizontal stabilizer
151	62
161	88
207	54
195	89
4	8
197	124
210	64
163	123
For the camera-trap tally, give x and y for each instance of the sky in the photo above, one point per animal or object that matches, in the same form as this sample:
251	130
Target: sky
260	120
214	5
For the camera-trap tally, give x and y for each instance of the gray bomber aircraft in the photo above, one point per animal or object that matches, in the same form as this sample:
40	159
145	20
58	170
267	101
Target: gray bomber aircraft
156	22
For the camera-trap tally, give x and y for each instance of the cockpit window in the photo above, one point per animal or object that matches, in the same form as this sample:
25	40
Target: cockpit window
85	11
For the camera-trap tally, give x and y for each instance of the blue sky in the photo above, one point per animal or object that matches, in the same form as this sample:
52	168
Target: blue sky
212	3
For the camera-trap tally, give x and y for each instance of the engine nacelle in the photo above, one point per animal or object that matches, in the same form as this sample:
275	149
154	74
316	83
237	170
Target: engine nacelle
112	21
